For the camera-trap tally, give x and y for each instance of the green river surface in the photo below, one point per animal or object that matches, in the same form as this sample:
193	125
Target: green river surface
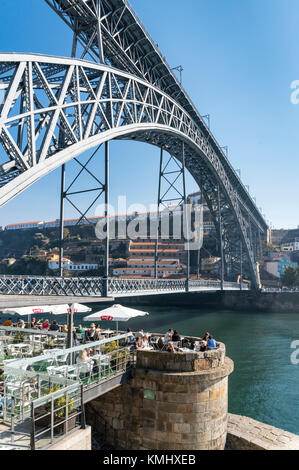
264	384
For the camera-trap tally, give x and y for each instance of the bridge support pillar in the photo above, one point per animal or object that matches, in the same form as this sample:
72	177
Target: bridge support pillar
61	222
107	214
220	239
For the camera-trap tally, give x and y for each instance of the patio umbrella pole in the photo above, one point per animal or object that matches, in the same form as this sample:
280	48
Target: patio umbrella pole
70	329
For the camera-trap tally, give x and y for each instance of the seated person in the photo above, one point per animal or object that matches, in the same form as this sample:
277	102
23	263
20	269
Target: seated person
170	347
206	336
85	363
203	346
79	329
46	325
140	333
34	323
8	322
131	337
64	329
20	323
140	343
91	334
175	337
145	342
95	367
168	336
54	326
211	343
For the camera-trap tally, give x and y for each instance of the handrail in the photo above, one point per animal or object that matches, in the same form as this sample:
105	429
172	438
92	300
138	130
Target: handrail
31	331
24	363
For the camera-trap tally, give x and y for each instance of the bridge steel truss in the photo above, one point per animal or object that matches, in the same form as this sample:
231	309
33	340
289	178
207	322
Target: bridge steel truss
53	109
101	287
90	104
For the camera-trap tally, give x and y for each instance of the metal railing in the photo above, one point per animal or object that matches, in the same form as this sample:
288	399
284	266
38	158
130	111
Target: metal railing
45	394
22	342
89	364
91	286
55	415
40	409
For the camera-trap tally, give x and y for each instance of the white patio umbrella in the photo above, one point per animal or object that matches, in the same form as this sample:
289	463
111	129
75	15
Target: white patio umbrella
116	313
53	309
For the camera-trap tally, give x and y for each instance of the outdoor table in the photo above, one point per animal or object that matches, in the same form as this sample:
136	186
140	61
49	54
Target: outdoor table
18	348
61	370
107	332
20	345
102	357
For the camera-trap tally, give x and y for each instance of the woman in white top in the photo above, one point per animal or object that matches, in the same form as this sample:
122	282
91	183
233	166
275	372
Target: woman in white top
168	336
85	363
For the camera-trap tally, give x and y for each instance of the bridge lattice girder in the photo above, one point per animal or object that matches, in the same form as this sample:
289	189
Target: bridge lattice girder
55	108
110	32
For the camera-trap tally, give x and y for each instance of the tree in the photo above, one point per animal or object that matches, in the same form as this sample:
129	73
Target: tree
66	233
290	277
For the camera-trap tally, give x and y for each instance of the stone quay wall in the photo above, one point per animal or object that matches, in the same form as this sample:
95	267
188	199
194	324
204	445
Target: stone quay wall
248	434
173	402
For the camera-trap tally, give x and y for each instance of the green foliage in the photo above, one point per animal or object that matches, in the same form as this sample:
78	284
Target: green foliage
50	343
290	277
109	347
59	403
18	338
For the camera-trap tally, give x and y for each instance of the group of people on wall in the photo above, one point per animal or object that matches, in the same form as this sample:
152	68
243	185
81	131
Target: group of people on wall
172	341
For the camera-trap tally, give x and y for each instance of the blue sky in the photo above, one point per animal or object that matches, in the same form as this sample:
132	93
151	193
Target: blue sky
239	59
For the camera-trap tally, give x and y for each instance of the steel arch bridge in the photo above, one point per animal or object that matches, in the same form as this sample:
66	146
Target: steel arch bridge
53	109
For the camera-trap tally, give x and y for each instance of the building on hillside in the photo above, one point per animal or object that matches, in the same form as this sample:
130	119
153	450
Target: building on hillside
141	255
283	236
145	268
291	246
68	265
278	265
25	225
53	262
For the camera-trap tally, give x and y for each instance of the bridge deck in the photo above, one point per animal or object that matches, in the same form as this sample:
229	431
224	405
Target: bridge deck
7	301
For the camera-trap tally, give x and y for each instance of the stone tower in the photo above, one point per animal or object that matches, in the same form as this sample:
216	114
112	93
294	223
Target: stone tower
173	402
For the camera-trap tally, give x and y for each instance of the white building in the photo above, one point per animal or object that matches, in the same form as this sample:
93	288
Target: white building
291	246
67	264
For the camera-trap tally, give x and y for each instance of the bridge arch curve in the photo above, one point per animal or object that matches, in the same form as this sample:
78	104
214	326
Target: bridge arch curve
55	109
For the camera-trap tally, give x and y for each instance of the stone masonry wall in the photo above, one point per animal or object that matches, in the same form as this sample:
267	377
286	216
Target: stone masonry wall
248	434
169	408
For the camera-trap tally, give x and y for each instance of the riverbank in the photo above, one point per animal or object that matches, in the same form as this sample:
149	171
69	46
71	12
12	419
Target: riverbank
246	301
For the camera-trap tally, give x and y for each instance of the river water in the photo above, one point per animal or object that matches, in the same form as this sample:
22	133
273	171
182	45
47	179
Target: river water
264	384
